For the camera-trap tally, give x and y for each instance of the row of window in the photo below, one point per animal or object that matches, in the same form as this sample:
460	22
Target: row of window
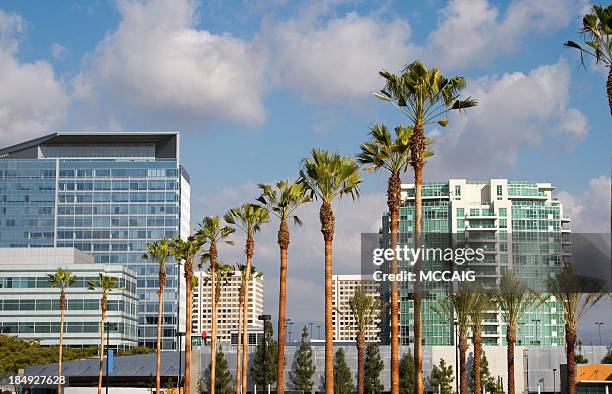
120	173
111	221
42	282
127	329
118	185
86	197
118	209
71	305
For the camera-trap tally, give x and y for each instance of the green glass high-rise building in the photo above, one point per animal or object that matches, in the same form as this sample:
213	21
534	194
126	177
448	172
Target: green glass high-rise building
519	225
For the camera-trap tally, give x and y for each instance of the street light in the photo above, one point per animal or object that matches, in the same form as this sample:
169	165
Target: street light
265	318
599	324
554	380
290	324
311	324
319	328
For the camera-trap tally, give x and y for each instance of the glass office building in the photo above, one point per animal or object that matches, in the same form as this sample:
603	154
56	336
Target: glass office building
519	225
106	194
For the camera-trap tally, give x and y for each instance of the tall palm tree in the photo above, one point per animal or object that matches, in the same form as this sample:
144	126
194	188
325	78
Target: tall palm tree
186	250
482	303
392	154
328	176
576	294
281	201
159	251
62	279
514	298
211	234
424	96
222	277
457	305
365	308
242	294
248	218
104	284
597	33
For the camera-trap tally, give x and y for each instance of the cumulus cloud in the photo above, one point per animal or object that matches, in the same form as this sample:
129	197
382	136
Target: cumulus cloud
514	111
589	210
158	66
473	32
32	99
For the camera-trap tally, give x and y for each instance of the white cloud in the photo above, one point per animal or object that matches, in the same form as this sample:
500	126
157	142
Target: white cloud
589	210
58	51
158	66
513	112
32	99
473	32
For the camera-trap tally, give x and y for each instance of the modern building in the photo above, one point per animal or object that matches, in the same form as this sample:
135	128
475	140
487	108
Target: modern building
227	307
519	225
29	306
343	289
106	194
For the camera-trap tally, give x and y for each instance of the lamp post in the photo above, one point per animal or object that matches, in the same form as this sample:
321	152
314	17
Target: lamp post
107	347
311	324
319	328
290	324
536	321
599	324
554	380
265	319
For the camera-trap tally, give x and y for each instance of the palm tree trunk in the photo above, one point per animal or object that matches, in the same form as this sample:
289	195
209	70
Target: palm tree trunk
393	201
360	366
511	339
570	353
477	354
188	302
463	377
418	352
158	356
101	348
329	330
609	88
238	377
61	339
245	323
283	234
213	339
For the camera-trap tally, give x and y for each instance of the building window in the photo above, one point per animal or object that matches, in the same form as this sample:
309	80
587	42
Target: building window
457	192
499	192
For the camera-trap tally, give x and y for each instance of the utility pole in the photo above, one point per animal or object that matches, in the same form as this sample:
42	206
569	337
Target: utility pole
599	324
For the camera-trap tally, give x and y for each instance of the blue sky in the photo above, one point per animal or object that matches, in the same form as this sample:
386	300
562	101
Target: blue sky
254	85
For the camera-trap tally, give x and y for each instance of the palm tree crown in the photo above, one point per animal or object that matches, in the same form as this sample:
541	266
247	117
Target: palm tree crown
597	32
62	279
283	199
383	151
248	218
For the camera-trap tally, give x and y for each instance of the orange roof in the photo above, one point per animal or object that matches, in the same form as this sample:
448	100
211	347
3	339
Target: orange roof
594	372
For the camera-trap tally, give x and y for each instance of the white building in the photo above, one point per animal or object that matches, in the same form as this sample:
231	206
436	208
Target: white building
228	306
343	289
29	306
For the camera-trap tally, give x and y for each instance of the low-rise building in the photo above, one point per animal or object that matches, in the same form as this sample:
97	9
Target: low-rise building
29	306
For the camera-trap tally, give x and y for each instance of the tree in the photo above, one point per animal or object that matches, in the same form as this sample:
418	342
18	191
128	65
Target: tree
328	176
364	308
343	381
442	378
186	250
135	350
423	95
392	154
481	303
597	34
104	284
249	218
580	359
608	357
406	374
373	367
577	295
158	252
303	366
223	377
264	361
489	383
210	234
281	201
63	279
514	298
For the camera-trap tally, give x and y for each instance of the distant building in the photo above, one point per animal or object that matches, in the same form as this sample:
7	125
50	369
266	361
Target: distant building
29	306
227	308
107	194
343	289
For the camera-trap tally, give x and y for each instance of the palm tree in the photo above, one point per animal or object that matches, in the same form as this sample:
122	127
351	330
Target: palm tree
365	309
457	306
597	33
576	294
63	279
329	175
242	294
423	96
159	252
104	284
249	218
482	302
211	234
282	201
392	154
222	276
514	298
186	250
